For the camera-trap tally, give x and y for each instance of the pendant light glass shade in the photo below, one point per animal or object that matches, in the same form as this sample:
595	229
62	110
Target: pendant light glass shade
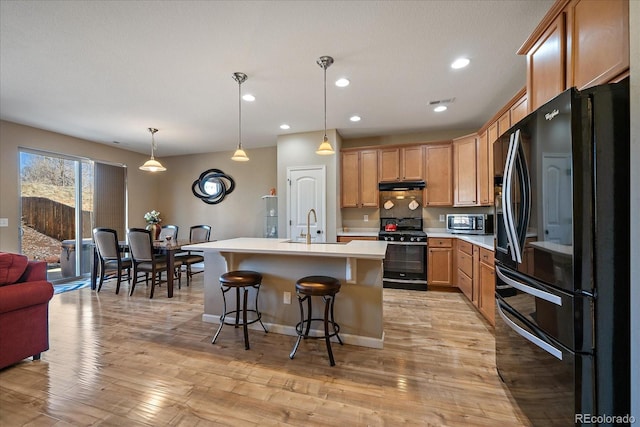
152	165
325	147
240	155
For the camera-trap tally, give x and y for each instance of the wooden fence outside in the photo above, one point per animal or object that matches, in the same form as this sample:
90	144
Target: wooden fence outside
53	219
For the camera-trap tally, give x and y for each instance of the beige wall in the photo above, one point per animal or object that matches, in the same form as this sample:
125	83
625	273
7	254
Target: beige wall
299	149
142	186
240	214
409	138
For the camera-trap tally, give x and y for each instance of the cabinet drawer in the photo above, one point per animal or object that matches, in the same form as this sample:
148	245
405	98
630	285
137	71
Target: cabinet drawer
465	263
435	242
486	256
465	284
465	247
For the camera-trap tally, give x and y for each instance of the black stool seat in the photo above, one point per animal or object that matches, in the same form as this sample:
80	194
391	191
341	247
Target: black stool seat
240	279
317	286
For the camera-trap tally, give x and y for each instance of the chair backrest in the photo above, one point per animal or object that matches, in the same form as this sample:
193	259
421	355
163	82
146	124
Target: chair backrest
140	244
200	233
169	230
106	240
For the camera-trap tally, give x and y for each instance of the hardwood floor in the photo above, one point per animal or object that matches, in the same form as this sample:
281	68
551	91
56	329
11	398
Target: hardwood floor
120	360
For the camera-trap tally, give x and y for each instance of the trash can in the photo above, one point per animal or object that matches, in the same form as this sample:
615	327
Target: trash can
68	257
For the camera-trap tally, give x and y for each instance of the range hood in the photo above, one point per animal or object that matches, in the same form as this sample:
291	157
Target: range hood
401	185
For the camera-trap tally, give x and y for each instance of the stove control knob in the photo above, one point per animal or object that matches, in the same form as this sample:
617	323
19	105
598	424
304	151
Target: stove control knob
413	239
402	239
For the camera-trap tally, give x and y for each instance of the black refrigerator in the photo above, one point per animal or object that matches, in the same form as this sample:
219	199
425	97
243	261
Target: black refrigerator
562	259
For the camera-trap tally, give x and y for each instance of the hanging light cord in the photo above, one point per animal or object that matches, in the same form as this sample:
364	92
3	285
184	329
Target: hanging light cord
325	100
239	115
153	142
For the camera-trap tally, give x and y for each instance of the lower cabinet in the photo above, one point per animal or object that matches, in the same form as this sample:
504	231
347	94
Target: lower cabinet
486	286
465	268
440	262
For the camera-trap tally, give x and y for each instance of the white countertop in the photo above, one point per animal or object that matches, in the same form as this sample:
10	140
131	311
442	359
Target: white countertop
372	249
366	232
482	240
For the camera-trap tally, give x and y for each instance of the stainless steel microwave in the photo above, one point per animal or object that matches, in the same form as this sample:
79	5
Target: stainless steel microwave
470	223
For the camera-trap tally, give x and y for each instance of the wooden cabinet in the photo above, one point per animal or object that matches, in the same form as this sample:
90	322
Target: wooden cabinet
401	164
579	43
359	179
438	176
440	261
465	268
485	170
598	41
465	171
546	64
486	285
518	110
347	239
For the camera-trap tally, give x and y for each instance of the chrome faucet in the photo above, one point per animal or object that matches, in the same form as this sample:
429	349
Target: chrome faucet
315	218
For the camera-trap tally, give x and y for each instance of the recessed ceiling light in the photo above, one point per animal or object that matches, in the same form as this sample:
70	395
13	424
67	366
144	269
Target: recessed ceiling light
355	118
285	126
249	97
460	63
440	108
342	82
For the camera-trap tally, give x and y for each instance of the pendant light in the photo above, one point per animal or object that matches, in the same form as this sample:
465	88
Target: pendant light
152	165
240	155
325	147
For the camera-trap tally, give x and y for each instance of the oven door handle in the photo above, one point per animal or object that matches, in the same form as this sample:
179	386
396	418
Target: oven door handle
407	243
538	293
528	335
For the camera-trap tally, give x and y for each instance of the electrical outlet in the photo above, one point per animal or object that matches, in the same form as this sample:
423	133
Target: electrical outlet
4	222
366	218
441	218
287	298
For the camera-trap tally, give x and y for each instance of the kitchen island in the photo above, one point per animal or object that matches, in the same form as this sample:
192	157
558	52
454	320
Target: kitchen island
357	264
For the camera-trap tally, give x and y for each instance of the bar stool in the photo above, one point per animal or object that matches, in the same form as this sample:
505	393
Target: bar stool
244	279
327	288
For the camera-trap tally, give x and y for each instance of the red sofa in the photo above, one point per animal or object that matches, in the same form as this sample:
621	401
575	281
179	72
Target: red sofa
24	308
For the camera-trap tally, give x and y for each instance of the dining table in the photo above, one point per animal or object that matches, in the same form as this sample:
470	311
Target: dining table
169	248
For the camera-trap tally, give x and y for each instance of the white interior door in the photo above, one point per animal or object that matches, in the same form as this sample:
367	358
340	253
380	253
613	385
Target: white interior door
557	199
307	190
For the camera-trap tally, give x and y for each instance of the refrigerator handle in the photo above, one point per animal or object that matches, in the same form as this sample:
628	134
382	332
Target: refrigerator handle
525	195
506	198
538	293
529	336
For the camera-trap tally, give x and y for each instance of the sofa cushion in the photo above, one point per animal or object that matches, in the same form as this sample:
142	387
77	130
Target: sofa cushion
12	266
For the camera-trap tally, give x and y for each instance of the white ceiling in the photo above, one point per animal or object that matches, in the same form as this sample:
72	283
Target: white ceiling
107	70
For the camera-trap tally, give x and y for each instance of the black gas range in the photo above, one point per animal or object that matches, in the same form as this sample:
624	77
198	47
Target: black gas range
405	263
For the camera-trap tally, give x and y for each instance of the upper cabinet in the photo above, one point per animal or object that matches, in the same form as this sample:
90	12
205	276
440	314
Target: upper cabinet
401	164
439	163
579	43
359	179
598	46
465	164
546	64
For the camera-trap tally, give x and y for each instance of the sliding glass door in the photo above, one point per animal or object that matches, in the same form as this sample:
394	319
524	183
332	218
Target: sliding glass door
59	195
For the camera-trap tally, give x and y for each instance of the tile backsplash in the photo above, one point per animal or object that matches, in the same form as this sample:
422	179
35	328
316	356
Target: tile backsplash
354	218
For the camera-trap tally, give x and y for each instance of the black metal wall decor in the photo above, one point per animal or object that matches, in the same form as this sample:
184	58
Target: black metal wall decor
212	186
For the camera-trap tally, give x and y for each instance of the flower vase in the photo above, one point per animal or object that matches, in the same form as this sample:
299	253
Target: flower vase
155	230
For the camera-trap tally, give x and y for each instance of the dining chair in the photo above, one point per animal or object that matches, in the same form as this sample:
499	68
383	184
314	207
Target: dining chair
144	258
197	233
110	256
169	230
